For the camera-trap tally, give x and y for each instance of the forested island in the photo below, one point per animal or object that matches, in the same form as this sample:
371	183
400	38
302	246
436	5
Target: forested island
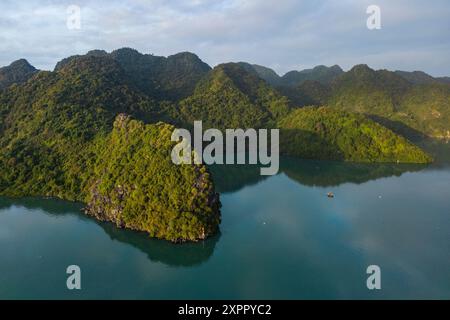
97	128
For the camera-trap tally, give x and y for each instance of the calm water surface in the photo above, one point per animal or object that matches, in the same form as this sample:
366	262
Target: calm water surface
281	237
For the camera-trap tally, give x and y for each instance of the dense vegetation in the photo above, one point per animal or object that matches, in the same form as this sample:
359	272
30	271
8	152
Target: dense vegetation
417	77
161	78
420	77
322	74
17	72
424	108
308	93
324	133
56	140
135	184
70	134
414	104
264	73
231	97
363	89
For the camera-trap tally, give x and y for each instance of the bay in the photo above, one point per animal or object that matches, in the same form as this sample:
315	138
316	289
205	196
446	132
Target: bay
281	238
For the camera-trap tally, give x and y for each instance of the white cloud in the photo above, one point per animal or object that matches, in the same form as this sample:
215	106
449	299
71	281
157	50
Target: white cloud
284	34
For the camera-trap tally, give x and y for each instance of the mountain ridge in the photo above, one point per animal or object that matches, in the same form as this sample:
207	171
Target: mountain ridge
17	72
173	77
94	131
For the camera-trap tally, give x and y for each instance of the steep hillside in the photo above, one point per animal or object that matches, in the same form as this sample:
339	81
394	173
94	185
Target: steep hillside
365	90
135	184
416	77
232	97
162	78
444	79
420	77
322	74
17	72
394	101
56	141
263	72
308	93
324	133
426	108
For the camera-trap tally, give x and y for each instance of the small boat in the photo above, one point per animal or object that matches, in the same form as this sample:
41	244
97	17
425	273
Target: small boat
330	195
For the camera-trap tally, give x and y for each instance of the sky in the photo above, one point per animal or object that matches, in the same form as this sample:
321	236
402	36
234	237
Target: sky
281	34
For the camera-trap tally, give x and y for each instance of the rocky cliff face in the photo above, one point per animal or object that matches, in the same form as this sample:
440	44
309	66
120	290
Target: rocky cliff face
137	186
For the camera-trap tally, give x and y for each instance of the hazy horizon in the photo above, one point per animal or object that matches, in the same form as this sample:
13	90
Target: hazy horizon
212	66
283	35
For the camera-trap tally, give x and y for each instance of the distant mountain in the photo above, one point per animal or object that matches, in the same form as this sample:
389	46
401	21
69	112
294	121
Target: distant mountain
443	79
417	77
410	109
267	74
363	89
93	53
230	96
412	104
351	90
306	87
263	72
426	108
308	93
322	74
17	72
420	77
171	78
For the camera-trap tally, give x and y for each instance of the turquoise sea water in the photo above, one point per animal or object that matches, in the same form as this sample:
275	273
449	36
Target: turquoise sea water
281	238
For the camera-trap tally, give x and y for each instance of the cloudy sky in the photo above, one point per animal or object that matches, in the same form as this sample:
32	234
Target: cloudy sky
281	34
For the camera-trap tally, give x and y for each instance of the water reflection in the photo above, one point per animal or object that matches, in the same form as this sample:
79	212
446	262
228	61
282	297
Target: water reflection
228	179
281	239
232	178
439	149
177	255
188	254
47	205
330	174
